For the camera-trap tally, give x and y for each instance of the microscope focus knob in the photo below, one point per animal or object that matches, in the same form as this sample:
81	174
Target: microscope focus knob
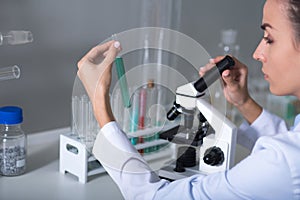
213	156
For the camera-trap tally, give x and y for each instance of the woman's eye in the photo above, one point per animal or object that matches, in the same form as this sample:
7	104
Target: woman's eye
268	40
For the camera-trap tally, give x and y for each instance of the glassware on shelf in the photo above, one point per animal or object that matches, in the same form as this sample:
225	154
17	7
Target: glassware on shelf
16	37
10	72
228	45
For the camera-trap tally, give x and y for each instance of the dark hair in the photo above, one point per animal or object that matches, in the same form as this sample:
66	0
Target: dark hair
293	13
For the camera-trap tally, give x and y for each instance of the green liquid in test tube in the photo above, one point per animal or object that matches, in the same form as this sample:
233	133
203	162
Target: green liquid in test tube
134	116
122	81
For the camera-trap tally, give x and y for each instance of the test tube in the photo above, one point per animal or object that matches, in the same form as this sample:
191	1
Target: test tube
134	116
122	81
118	108
11	72
142	113
161	101
126	119
16	37
75	107
91	128
84	115
127	114
122	77
142	108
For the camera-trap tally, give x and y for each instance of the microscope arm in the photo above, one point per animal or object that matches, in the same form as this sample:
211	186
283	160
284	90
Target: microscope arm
223	127
225	133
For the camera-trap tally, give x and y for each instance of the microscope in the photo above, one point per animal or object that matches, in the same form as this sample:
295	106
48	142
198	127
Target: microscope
211	147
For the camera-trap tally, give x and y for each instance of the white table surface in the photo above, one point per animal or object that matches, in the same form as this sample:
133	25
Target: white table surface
42	179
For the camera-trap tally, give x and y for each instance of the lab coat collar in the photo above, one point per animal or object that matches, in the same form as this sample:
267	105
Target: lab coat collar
296	126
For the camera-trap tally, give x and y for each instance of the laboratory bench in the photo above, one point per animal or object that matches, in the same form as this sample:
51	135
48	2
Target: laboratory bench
42	179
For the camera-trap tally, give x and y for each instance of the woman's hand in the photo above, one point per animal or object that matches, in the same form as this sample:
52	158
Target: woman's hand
235	88
234	80
94	71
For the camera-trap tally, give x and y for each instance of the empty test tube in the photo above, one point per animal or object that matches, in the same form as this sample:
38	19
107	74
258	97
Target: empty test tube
11	72
84	115
16	37
84	124
75	107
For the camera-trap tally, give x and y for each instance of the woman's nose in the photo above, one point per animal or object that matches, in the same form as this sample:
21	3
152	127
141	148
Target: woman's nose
259	53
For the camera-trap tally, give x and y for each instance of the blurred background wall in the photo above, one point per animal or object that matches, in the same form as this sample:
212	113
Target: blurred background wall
64	30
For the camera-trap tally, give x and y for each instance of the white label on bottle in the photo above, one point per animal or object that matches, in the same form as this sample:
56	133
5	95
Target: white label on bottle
20	163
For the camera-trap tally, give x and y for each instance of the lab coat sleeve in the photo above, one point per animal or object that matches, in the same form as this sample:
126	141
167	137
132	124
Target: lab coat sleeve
266	124
124	164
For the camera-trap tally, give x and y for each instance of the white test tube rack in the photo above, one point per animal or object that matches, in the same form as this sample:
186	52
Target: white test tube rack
76	160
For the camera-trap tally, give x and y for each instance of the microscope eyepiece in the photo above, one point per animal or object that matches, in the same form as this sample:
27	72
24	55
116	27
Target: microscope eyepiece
200	85
174	112
212	75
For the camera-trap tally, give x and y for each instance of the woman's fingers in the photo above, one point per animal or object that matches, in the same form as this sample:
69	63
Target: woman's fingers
111	53
211	64
96	54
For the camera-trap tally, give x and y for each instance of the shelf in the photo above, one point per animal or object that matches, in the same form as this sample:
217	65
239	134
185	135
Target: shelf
149	131
150	144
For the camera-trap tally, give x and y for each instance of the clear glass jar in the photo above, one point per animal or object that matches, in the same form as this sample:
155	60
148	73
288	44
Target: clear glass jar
13	144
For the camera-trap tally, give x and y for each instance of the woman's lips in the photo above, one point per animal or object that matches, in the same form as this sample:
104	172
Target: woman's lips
266	76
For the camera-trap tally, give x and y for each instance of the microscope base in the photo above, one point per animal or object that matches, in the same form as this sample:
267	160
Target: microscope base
169	173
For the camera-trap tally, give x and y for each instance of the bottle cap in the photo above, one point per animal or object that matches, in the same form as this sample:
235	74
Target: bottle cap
11	115
150	83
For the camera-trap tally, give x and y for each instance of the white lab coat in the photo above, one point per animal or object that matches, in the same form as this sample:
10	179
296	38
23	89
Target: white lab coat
272	171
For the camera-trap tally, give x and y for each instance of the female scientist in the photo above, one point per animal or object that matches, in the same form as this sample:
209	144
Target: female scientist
272	171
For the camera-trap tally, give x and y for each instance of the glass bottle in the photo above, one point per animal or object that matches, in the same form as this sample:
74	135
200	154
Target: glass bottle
228	46
13	145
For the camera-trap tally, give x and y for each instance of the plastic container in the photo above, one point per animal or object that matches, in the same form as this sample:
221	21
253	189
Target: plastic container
13	144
